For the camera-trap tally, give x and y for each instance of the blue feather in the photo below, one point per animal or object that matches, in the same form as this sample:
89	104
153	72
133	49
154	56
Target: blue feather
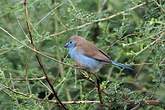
123	66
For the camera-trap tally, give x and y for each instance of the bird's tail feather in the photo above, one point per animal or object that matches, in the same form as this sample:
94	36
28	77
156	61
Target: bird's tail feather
123	66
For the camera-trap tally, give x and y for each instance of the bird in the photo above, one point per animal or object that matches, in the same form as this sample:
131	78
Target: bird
88	56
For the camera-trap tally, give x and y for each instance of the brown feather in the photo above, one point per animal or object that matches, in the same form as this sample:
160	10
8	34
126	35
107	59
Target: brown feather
89	49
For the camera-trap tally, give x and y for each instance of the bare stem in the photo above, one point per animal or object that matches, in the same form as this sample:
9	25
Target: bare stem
99	91
38	57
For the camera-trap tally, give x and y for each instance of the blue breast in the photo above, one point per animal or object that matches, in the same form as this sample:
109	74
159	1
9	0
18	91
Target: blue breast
88	62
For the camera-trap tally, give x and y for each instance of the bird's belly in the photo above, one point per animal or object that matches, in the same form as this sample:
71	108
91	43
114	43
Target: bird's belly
87	62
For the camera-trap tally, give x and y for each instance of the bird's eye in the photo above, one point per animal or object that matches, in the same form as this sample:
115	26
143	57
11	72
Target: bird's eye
70	42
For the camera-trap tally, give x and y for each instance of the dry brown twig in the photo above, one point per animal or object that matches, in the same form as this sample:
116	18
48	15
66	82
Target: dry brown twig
38	57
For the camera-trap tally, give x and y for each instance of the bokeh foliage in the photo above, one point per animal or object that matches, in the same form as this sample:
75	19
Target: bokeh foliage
136	37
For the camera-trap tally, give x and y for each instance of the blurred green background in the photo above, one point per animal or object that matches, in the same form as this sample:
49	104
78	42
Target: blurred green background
130	31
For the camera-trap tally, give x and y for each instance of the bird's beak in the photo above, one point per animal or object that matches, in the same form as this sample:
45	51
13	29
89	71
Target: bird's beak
66	45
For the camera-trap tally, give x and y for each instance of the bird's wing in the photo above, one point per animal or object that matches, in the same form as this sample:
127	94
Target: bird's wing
90	50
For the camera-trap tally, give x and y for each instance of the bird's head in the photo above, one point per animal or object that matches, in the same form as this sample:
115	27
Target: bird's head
74	41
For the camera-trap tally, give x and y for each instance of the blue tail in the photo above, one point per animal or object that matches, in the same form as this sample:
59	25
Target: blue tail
123	66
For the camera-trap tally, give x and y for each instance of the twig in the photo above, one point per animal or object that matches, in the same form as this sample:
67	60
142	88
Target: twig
38	58
28	79
93	82
99	20
161	8
51	58
99	90
36	51
49	13
14	91
144	102
52	101
152	102
78	102
162	33
136	107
